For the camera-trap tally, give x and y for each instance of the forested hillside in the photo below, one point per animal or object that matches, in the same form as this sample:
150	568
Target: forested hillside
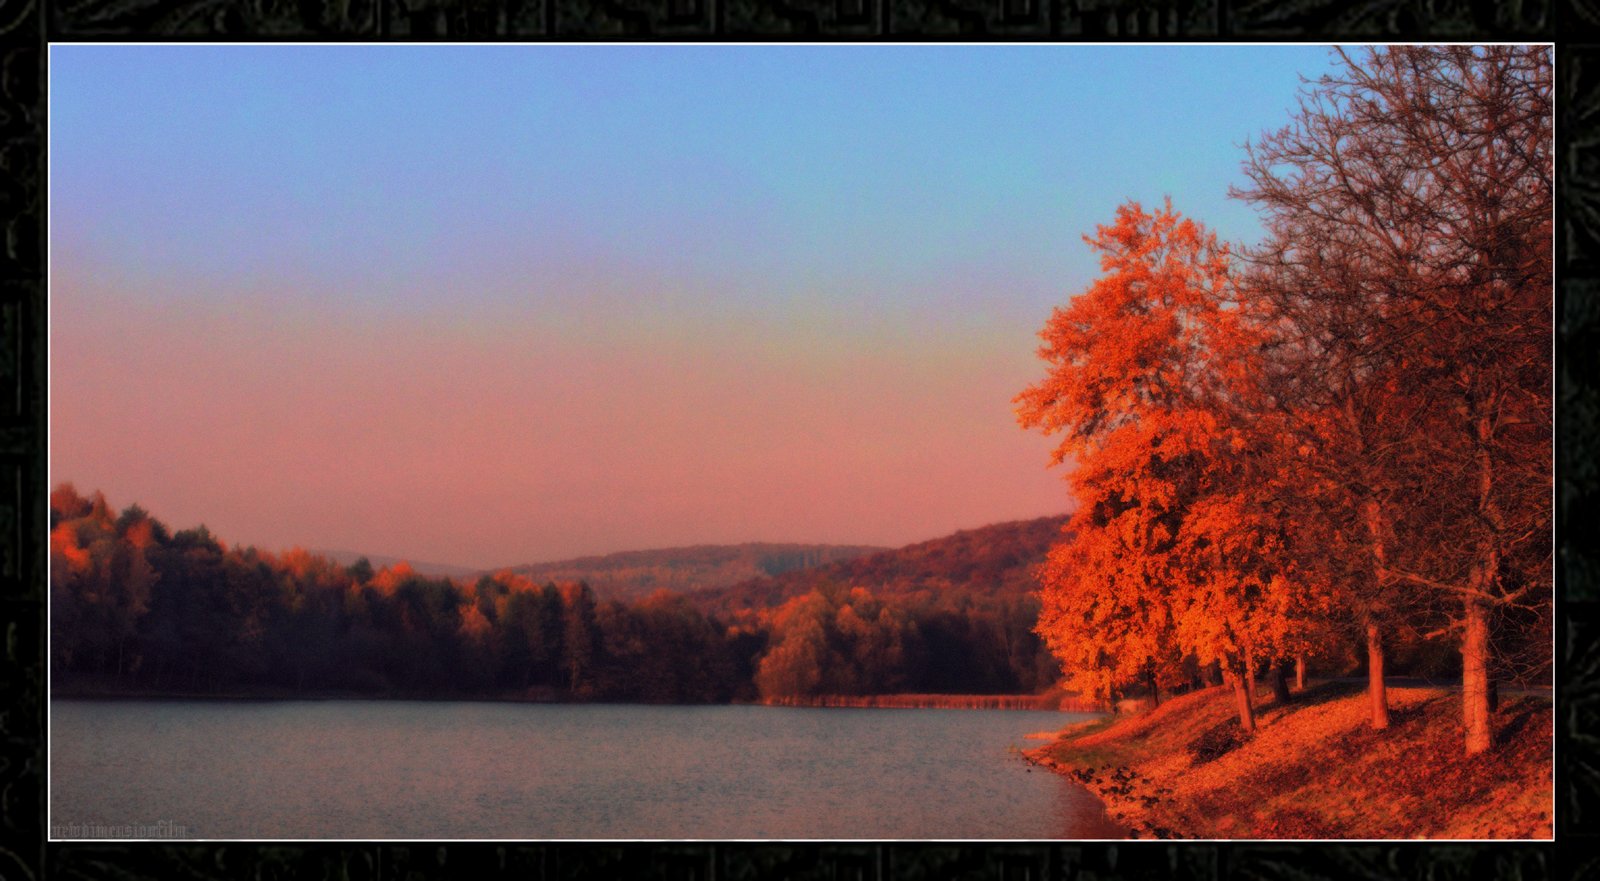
988	562
634	574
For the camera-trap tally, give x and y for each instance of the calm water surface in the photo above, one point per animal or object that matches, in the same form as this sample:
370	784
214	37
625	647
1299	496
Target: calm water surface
382	769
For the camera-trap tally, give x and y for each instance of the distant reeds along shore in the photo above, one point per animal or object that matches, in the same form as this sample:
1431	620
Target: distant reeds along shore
1049	701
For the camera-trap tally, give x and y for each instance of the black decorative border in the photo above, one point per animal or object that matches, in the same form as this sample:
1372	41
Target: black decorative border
792	19
26	25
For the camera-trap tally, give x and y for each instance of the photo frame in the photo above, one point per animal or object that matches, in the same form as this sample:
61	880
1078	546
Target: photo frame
26	29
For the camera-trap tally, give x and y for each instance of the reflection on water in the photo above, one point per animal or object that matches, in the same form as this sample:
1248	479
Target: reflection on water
390	769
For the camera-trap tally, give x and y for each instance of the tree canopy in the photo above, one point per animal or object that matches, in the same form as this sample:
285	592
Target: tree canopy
1342	432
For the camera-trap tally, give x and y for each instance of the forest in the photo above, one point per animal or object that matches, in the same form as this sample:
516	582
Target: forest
1340	435
136	608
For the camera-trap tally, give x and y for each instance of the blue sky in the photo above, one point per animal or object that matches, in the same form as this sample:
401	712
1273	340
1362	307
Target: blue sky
801	163
793	207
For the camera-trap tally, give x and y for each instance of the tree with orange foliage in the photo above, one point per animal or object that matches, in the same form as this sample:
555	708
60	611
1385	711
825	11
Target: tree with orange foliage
101	577
580	638
1344	495
1409	255
800	658
1165	556
836	641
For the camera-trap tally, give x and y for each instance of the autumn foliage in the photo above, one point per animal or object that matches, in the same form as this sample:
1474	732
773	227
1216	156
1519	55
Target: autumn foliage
136	608
1175	553
1340	436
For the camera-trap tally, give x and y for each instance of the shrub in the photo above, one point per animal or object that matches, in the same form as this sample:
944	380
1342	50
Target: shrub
1216	741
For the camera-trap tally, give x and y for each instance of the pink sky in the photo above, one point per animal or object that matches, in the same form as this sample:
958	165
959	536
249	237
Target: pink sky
487	306
498	435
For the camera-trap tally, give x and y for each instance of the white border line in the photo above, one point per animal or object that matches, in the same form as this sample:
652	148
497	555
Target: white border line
49	275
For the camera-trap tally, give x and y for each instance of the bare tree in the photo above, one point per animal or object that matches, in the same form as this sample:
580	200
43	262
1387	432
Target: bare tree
1409	257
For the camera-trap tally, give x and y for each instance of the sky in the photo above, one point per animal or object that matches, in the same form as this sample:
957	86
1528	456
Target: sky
501	304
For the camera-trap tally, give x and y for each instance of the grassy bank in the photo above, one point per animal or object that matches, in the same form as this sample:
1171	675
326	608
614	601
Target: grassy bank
1315	768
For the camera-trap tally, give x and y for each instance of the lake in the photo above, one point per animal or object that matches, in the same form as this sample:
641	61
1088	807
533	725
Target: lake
402	769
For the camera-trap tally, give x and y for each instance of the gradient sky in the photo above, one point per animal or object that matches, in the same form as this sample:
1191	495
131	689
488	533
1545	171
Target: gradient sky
492	305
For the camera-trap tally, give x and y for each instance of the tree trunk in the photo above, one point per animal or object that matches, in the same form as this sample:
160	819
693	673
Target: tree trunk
1300	672
1155	692
1475	677
1280	682
1375	687
1475	637
1380	579
1241	696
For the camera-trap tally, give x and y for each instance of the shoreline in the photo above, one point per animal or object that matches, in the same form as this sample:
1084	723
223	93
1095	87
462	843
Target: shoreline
1314	768
1113	789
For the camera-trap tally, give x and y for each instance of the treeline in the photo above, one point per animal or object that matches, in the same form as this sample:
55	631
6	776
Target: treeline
990	562
837	641
139	609
1340	436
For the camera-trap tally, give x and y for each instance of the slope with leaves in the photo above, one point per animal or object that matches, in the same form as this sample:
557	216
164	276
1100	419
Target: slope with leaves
1316	769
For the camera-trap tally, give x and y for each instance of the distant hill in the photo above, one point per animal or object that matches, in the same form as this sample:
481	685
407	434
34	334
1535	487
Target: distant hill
633	574
992	561
379	561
